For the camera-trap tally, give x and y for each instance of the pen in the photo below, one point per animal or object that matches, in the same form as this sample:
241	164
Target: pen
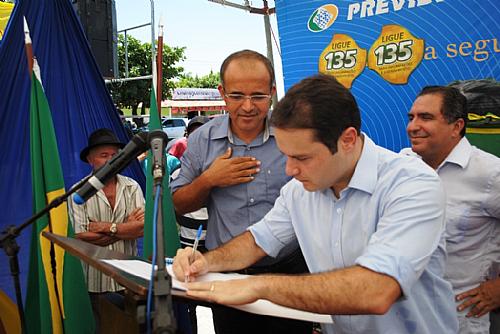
195	246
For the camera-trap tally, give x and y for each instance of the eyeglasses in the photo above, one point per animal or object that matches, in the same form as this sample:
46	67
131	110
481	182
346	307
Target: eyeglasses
238	98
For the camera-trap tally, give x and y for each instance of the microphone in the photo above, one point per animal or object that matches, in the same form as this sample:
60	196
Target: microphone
158	140
96	182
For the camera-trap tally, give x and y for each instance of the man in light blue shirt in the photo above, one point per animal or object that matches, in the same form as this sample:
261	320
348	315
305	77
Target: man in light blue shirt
369	222
471	179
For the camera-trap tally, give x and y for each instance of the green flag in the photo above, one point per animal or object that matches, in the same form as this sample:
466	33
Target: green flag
170	233
44	312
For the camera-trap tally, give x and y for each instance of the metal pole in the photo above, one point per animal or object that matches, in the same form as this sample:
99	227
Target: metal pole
121	80
116	71
153	53
126	55
126	46
267	27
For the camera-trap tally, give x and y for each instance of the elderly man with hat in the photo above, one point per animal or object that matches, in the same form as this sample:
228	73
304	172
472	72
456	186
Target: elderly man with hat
112	218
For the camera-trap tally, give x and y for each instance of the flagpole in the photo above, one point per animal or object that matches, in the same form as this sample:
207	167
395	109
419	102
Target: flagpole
28	46
159	67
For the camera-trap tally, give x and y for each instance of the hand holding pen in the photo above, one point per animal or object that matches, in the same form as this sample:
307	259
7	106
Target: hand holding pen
195	247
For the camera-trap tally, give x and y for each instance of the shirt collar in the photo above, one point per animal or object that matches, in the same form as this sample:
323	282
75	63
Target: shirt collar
366	172
460	155
224	130
121	183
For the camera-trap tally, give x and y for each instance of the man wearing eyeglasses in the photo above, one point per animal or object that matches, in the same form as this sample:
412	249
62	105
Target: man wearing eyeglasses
234	167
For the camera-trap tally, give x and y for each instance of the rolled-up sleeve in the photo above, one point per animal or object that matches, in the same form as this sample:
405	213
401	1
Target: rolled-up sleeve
190	164
409	231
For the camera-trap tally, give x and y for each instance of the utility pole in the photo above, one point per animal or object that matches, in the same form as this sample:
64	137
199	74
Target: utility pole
267	27
265	11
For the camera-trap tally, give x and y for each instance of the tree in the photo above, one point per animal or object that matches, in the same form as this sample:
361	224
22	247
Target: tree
207	81
130	94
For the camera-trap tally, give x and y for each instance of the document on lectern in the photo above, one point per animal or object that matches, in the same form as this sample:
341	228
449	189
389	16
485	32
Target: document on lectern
264	307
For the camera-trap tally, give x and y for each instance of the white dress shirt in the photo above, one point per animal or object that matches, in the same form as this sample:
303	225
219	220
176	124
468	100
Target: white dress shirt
471	178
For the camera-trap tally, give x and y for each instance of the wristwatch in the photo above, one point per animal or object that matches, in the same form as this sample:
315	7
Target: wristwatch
112	229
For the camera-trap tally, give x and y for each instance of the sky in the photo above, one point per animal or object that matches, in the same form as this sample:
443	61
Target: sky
209	31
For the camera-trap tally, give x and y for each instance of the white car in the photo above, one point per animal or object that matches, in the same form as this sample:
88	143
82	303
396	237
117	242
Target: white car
174	127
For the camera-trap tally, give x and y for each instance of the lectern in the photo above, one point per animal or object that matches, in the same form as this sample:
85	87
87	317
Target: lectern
129	319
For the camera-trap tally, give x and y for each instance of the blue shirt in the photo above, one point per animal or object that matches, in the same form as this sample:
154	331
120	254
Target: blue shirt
232	209
388	219
172	164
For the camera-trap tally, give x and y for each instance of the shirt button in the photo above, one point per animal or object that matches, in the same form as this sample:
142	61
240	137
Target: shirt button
268	171
252	200
337	244
339	211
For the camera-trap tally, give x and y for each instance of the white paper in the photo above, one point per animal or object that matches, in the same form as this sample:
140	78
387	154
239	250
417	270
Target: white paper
264	307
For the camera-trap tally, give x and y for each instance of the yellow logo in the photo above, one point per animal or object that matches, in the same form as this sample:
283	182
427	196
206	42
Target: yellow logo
343	59
395	54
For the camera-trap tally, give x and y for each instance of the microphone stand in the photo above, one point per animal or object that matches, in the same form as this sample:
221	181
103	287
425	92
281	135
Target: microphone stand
9	245
163	321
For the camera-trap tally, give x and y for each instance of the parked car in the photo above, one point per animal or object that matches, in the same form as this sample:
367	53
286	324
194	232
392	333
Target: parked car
174	127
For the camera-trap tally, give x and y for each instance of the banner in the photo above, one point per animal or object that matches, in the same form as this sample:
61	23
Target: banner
385	51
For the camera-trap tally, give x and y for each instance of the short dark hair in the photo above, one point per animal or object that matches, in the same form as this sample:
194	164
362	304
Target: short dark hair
247	55
454	104
319	103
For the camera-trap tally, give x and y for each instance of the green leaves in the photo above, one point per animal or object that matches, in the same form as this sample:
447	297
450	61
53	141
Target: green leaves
207	81
131	93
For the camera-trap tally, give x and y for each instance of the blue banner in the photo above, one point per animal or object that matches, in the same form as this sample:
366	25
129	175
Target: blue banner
385	51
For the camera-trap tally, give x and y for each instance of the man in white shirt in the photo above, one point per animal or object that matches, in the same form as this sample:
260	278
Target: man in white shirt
471	178
113	218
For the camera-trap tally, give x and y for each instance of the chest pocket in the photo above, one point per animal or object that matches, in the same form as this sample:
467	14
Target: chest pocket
275	177
463	221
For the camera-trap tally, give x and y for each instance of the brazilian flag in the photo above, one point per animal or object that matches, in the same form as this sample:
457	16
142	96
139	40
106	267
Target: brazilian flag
170	233
68	310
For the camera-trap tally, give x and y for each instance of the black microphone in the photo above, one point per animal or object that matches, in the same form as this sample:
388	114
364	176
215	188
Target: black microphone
158	141
136	146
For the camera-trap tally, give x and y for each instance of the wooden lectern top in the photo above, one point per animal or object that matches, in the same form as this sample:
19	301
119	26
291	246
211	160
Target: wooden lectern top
92	254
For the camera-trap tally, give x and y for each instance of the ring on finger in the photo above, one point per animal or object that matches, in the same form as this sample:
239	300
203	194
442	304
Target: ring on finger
212	287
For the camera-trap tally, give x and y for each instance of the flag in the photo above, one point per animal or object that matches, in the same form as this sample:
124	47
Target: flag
9	316
170	233
46	311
